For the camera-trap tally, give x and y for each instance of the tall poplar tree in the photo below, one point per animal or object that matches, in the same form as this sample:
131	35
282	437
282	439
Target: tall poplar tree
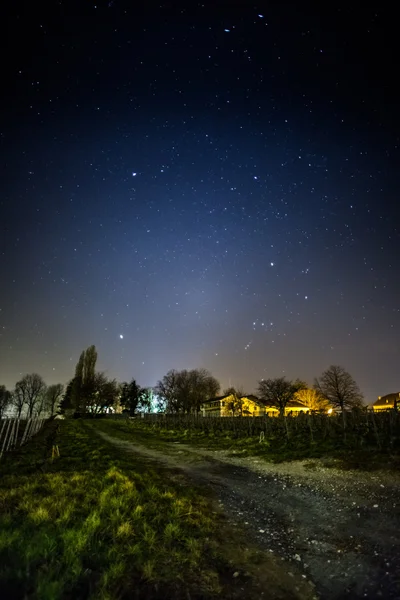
84	381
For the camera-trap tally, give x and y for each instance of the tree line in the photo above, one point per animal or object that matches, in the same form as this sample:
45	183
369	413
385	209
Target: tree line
185	391
31	397
178	392
92	392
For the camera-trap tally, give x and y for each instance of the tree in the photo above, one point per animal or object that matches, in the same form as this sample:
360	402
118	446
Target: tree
31	389
89	377
235	403
5	400
146	402
134	398
338	387
103	393
278	392
53	397
83	383
185	391
18	399
77	383
167	390
312	399
67	400
201	386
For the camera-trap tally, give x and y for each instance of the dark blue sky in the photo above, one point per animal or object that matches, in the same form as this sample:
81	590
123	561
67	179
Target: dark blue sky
216	184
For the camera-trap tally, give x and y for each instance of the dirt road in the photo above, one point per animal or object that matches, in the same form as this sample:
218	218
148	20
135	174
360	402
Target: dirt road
341	528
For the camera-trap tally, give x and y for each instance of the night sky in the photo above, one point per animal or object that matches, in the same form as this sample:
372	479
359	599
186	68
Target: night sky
200	185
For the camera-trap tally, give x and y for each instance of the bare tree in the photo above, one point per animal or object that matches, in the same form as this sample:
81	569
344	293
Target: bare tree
167	391
278	392
339	388
103	395
53	397
185	391
18	400
5	400
202	387
31	388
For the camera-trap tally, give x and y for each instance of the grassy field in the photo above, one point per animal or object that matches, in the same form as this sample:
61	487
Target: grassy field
275	446
97	523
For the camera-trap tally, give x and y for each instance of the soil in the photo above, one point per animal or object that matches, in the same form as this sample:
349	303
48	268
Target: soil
340	528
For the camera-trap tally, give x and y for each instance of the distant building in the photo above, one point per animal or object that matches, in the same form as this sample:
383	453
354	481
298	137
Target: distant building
387	402
295	407
246	406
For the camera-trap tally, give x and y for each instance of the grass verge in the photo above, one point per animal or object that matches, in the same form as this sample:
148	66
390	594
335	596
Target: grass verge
97	523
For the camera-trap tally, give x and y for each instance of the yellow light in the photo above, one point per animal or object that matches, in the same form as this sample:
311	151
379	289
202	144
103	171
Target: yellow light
330	411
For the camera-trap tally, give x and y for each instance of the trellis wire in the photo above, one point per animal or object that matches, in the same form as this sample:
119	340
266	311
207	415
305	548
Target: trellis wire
9	438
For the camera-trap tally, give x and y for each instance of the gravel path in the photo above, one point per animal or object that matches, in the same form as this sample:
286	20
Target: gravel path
340	528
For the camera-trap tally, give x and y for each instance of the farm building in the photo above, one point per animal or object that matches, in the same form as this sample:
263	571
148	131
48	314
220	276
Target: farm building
387	402
246	406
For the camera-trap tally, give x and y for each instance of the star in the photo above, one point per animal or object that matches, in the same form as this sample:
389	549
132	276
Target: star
181	260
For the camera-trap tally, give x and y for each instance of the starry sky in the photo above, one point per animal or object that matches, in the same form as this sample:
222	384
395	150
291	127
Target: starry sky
200	185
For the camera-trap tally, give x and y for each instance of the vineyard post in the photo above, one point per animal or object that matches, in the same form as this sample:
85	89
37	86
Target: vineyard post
24	437
32	429
1	432
309	418
15	440
11	435
286	426
5	438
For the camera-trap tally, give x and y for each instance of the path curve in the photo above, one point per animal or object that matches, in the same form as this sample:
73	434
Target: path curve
342	531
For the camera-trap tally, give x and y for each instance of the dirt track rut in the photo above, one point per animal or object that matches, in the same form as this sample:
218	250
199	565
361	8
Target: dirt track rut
341	529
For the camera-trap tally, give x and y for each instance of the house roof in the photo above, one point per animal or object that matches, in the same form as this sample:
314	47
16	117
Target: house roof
216	399
387	400
249	397
296	404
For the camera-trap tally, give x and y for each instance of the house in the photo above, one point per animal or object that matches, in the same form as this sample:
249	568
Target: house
246	406
230	405
387	402
220	406
252	406
295	407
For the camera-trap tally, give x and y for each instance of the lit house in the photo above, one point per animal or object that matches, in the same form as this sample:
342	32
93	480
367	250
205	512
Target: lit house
229	406
246	406
387	402
294	407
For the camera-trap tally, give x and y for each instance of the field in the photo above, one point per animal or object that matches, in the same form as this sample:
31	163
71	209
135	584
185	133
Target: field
330	514
100	523
367	441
